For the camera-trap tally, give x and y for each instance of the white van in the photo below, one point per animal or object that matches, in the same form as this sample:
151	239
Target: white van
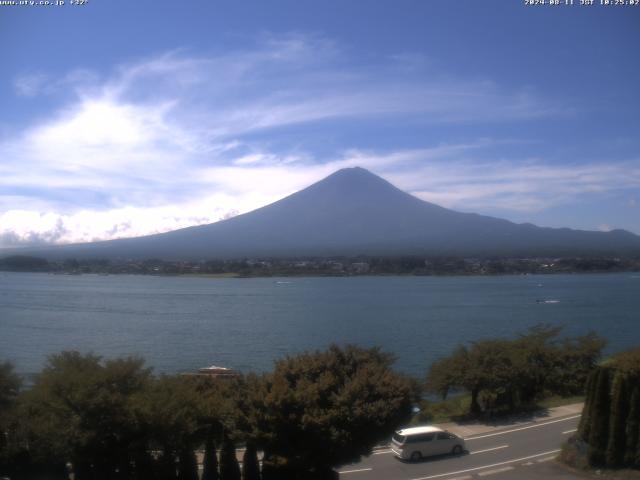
418	442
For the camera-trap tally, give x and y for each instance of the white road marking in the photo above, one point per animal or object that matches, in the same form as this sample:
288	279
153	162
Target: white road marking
546	459
527	464
488	449
466	477
492	472
380	452
570	431
487	466
356	471
522	428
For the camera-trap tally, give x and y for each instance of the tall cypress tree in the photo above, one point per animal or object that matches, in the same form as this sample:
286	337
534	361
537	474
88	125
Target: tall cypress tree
144	464
585	419
229	468
636	463
632	430
167	465
250	465
599	429
188	465
210	462
82	470
617	422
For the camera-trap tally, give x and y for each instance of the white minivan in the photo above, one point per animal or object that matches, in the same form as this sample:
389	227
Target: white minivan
418	442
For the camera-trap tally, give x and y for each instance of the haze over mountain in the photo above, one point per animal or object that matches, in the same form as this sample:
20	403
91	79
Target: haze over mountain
353	212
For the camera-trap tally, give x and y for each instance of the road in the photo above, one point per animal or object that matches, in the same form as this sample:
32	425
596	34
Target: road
518	452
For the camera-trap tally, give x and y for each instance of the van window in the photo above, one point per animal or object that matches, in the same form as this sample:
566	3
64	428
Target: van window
398	438
444	436
424	437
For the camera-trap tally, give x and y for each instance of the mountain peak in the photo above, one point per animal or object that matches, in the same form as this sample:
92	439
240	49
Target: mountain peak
352	171
354	174
354	180
355	212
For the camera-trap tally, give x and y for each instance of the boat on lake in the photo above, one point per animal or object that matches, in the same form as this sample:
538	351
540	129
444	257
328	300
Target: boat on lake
214	371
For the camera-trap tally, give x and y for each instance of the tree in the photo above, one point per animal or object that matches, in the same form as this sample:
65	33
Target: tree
80	409
504	374
220	410
250	465
575	359
168	411
628	362
323	409
9	386
632	432
598	433
618	418
610	423
9	389
585	419
210	462
229	468
449	373
188	465
536	355
489	370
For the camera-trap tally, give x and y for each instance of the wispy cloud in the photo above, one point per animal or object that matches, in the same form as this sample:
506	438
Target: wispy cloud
178	139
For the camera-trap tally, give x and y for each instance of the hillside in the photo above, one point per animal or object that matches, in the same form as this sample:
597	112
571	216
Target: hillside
354	212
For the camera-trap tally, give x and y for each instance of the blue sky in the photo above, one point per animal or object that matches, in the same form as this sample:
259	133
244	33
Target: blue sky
122	118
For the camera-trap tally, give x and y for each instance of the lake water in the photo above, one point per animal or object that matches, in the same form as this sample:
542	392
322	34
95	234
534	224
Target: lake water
183	323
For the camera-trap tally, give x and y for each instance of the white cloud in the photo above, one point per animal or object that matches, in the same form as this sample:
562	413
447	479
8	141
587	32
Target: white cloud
525	186
38	83
30	85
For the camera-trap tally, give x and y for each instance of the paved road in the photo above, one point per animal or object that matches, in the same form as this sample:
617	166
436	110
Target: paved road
518	452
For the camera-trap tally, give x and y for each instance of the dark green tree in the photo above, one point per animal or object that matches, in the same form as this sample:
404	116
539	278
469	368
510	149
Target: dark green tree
611	418
250	465
535	354
324	409
598	433
574	359
143	463
10	384
488	369
229	468
585	420
632	430
188	465
169	413
628	362
9	387
210	462
617	422
503	374
79	410
166	466
449	373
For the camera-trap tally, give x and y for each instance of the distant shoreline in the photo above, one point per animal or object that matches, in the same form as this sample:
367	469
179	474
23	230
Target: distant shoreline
328	267
226	276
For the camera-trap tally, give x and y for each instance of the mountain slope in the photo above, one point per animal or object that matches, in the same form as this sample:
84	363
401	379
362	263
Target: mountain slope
355	212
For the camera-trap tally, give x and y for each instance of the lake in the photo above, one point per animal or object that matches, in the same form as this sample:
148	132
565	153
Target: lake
183	323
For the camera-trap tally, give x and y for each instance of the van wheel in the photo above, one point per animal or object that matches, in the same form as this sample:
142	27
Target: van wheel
415	456
457	450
